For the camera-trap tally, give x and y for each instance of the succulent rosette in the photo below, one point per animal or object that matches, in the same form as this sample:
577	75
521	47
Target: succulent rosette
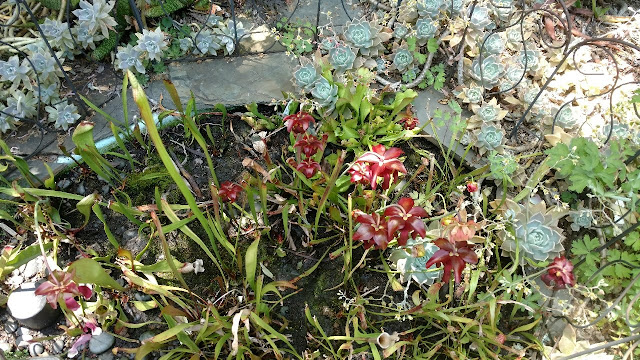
152	43
493	44
537	235
489	138
429	7
566	118
529	59
402	59
325	94
410	261
480	18
341	57
400	31
426	28
488	72
305	77
367	37
582	218
502	8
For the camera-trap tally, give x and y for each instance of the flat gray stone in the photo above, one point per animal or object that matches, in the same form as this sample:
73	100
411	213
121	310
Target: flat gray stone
29	309
101	343
234	81
331	11
58	346
441	131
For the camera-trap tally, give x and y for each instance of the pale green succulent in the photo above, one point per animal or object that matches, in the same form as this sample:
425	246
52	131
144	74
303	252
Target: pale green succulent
537	236
489	72
152	44
489	112
62	115
581	219
128	58
474	94
96	16
58	34
453	6
411	260
489	137
620	130
502	8
86	36
45	66
513	76
341	57
325	94
48	93
402	59
22	105
7	122
493	44
400	31
480	19
205	42
530	61
305	77
228	33
15	72
426	28
502	166
365	36
186	44
430	7
565	118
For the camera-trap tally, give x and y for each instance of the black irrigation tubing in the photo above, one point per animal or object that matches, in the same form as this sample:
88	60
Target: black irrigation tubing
136	14
597	42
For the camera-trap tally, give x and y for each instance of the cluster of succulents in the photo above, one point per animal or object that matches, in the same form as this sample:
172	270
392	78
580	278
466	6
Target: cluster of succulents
308	80
410	261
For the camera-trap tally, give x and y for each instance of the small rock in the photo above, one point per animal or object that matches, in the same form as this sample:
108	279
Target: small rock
29	309
36	349
24	331
140	296
10	326
106	356
63	184
130	234
58	346
15	281
45	358
33	267
80	190
6	347
146	336
23	341
101	343
21	268
105	190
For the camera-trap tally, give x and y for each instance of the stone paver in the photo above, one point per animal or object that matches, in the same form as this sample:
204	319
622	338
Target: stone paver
234	80
439	130
334	12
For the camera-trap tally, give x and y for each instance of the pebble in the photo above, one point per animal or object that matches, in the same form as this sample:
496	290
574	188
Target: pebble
10	326
146	336
36	349
140	296
106	356
6	347
63	184
80	190
58	346
23	340
101	343
105	190
15	281
130	234
29	309
33	267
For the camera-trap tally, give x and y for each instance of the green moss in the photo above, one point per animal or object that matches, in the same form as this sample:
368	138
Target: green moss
141	186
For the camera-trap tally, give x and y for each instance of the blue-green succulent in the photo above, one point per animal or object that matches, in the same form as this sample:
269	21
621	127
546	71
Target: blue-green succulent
503	8
581	219
493	44
490	137
430	7
58	34
7	122
341	57
305	77
480	19
529	59
228	33
489	112
128	58
325	94
62	115
537	236
205	43
426	28
566	118
152	43
411	262
402	59
488	72
14	71
474	94
400	31
367	37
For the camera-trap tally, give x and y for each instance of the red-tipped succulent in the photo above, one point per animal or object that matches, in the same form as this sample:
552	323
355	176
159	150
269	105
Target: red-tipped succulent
559	274
373	230
409	122
383	163
229	191
308	167
472	186
310	145
407	219
454	256
298	123
62	287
